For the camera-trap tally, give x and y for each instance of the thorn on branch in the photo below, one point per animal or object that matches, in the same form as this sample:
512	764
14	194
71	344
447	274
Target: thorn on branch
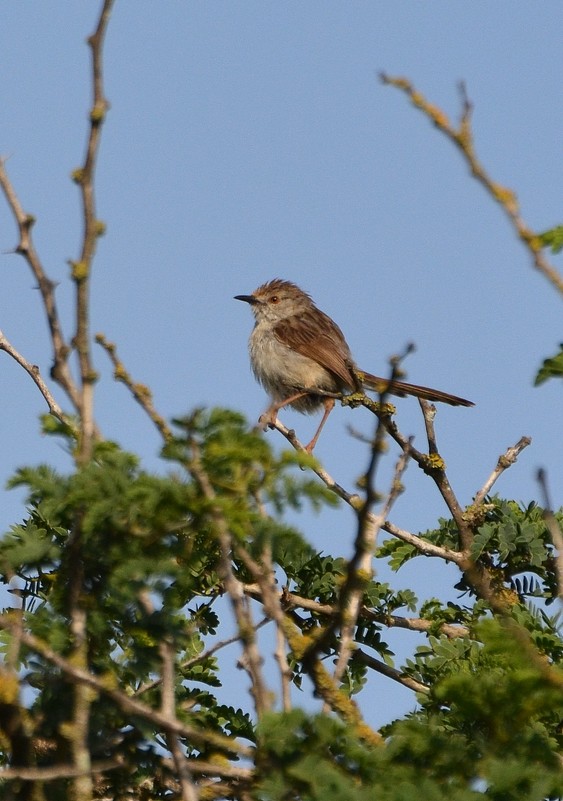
467	105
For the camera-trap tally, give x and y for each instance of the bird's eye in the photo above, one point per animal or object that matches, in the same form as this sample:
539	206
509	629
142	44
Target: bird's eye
274	299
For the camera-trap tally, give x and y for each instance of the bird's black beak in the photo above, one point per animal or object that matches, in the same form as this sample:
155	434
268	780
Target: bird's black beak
247	299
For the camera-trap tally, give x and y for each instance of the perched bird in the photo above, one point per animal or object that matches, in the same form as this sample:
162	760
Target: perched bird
296	349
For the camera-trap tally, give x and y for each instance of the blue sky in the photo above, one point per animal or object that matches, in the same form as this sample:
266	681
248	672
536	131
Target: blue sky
251	140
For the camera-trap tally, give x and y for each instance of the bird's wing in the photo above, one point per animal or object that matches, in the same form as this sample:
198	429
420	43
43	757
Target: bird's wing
329	348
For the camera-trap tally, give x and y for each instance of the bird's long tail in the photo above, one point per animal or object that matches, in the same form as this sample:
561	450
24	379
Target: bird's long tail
401	388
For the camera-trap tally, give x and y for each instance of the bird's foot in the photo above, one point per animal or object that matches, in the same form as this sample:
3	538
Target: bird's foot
268	419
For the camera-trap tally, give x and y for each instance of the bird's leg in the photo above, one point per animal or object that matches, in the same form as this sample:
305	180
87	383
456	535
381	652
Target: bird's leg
329	406
269	417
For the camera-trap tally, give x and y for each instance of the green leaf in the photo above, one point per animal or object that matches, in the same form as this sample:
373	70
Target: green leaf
551	368
552	238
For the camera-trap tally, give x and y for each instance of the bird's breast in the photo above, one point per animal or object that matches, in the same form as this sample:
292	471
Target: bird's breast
280	369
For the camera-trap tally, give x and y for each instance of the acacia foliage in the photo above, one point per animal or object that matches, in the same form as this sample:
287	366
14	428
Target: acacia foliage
116	681
148	558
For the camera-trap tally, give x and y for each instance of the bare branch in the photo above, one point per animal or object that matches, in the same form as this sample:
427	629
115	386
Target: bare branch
462	138
390	672
125	702
68	771
553	528
505	461
76	730
437	470
168	708
81	270
352	499
263	574
285	671
291	600
56	771
33	371
140	392
360	569
426	548
450	630
253	660
60	371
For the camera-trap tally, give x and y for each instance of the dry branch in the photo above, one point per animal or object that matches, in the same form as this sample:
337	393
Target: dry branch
462	138
140	392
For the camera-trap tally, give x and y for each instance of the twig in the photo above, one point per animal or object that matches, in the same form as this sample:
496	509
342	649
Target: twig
291	600
52	772
234	588
33	371
429	413
360	570
69	771
60	371
351	498
76	730
553	528
354	500
482	580
140	392
462	138
263	574
506	460
81	270
285	671
390	672
168	708
126	703
433	465
151	685
324	684
426	548
438	474
450	630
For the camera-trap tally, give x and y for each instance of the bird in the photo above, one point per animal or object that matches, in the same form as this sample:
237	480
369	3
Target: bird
297	352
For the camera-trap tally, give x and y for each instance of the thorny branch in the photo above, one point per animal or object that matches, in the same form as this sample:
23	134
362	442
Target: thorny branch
60	371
